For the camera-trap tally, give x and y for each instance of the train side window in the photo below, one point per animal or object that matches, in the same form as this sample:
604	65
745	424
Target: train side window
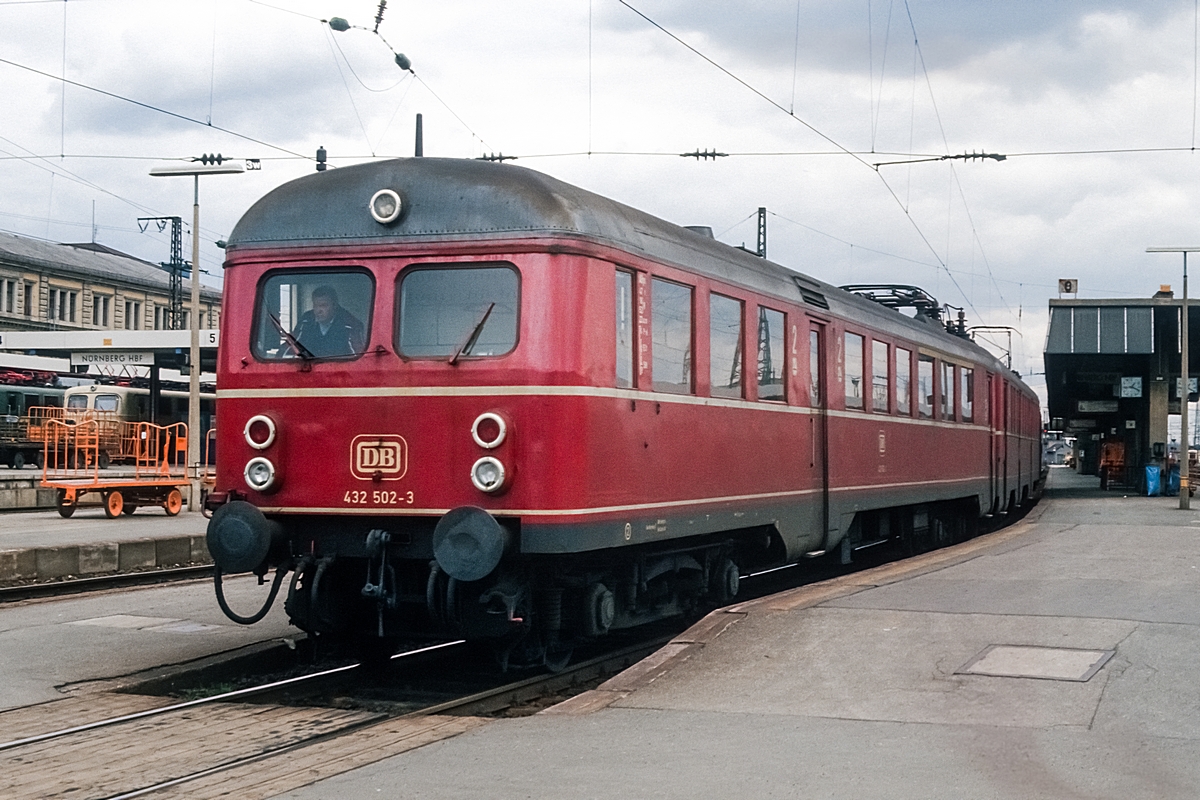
879	376
725	345
624	330
903	381
671	336
946	390
31	400
312	314
13	407
814	368
107	402
854	370
772	361
458	311
925	387
966	384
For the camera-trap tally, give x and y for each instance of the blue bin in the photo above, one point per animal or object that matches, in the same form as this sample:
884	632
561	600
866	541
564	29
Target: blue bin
1153	482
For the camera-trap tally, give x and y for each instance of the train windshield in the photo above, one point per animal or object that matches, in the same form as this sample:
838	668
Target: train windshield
457	312
308	314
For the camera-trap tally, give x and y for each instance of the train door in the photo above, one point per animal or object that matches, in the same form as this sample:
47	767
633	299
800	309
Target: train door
997	397
818	464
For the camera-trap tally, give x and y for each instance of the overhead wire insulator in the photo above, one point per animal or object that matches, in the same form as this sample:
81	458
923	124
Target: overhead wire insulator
339	24
704	154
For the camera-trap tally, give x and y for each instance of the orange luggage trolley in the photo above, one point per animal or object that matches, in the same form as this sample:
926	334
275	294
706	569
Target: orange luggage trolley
71	466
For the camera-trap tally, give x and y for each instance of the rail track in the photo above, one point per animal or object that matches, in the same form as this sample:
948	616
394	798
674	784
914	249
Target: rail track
101	583
240	741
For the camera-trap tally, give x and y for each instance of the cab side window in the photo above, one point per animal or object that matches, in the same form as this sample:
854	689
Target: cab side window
624	311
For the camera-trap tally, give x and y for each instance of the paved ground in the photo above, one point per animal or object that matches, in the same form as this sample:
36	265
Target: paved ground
26	529
49	647
861	689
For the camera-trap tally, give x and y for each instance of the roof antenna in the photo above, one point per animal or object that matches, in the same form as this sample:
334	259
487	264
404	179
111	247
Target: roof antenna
420	148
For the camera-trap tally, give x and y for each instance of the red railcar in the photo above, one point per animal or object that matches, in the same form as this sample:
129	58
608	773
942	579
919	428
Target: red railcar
466	396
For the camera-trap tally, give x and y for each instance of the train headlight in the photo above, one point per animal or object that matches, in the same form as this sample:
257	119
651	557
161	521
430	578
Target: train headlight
488	430
260	431
259	474
488	474
386	206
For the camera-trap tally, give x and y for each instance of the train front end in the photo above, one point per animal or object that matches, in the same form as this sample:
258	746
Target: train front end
382	390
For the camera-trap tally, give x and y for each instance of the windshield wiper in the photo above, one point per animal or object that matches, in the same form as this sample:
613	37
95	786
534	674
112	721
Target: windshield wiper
465	348
292	341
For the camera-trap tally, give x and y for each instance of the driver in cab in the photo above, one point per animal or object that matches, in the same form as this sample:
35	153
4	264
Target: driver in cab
328	329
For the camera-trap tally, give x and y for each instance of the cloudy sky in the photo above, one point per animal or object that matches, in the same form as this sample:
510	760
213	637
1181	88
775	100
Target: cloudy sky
1093	102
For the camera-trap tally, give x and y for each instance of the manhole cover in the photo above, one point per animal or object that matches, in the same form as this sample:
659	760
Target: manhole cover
1047	663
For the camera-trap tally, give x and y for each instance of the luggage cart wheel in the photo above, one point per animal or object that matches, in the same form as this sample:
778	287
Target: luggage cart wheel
173	503
65	508
114	503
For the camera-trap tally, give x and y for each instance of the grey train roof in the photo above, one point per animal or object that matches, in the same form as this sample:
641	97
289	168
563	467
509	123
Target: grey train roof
450	200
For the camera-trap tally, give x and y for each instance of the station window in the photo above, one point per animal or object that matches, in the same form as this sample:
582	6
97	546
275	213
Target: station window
624	330
946	390
725	345
455	311
925	387
771	359
854	370
903	381
671	335
966	389
311	314
879	376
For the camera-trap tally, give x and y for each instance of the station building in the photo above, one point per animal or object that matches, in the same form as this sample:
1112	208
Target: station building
1113	373
49	286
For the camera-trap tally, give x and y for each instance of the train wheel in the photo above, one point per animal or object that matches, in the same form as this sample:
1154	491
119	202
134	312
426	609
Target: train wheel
174	503
129	509
114	503
17	461
724	581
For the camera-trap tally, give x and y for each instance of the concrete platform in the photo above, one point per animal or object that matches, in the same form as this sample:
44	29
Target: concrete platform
41	545
869	686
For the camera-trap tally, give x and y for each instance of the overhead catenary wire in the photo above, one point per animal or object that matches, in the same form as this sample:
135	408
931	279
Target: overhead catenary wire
150	107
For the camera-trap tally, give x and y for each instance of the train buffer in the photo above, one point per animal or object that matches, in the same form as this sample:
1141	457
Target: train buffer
71	464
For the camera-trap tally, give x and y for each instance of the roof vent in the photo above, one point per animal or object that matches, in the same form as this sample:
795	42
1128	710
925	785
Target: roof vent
811	296
703	230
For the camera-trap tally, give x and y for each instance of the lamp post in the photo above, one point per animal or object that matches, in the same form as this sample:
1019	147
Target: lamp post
197	167
1185	381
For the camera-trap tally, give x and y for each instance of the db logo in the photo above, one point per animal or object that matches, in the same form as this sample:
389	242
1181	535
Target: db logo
383	454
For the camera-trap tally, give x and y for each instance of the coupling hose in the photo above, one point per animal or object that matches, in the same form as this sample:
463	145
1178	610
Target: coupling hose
280	572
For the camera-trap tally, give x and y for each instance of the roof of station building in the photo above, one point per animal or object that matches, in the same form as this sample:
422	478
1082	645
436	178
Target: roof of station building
87	261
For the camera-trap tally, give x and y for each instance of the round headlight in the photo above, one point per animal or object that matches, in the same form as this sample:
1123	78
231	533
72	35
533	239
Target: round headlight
259	431
259	474
385	206
488	430
488	474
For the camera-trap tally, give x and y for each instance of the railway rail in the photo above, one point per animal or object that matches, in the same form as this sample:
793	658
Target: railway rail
101	583
197	748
